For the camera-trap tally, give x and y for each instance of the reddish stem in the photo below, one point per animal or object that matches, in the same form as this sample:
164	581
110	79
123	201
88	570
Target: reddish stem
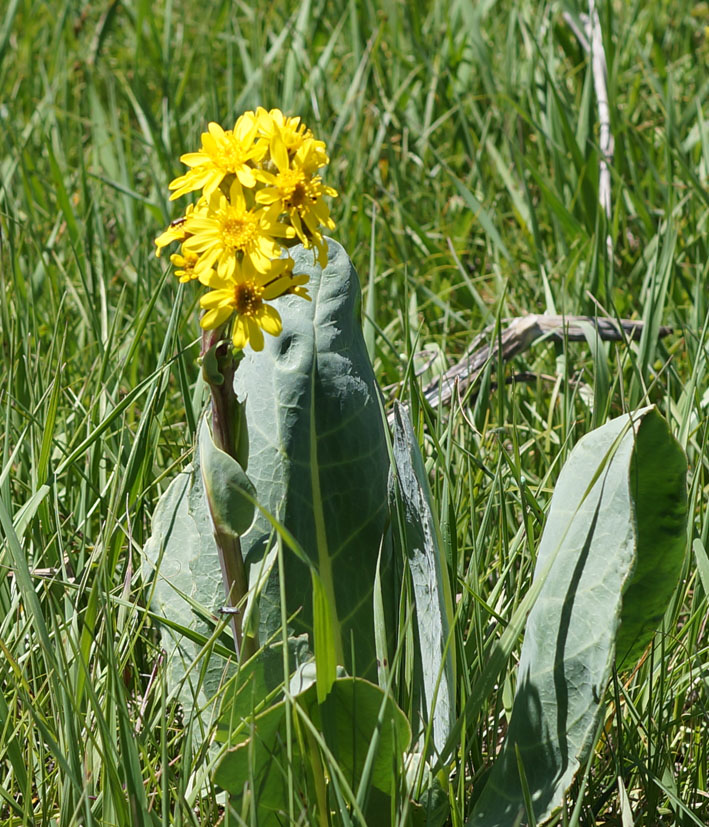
225	416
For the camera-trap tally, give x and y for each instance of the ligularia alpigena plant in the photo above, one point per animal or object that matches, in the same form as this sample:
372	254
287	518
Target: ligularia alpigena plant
260	193
359	544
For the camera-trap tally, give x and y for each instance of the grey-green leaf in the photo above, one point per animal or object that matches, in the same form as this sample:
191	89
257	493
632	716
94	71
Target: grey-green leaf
182	556
611	554
429	579
318	456
231	493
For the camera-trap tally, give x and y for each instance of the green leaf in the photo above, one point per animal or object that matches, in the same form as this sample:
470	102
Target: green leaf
355	718
429	578
231	493
702	559
657	480
325	646
612	552
318	457
253	689
182	556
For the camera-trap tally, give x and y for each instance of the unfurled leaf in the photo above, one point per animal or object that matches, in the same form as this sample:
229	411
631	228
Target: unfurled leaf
231	493
611	554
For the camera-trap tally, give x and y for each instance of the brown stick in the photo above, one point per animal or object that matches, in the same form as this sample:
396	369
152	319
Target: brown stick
518	336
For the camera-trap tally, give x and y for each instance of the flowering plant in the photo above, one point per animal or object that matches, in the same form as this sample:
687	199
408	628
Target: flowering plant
260	193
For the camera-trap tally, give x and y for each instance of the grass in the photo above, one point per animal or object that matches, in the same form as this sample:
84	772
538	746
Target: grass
463	140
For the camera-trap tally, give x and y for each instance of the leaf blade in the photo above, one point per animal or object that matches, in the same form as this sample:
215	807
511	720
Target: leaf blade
589	594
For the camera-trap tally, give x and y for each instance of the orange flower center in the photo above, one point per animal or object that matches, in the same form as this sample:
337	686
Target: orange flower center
296	190
247	298
298	197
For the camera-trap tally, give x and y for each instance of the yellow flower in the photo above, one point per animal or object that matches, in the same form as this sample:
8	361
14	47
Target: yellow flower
293	133
223	153
187	263
245	293
226	228
294	190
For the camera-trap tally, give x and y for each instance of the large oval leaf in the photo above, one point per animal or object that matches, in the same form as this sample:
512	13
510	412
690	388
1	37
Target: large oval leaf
610	557
318	456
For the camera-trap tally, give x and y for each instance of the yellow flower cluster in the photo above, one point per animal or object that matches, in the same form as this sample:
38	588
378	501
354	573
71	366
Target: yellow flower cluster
260	193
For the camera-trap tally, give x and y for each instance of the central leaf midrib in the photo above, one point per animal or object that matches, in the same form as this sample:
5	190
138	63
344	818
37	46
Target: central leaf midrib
324	559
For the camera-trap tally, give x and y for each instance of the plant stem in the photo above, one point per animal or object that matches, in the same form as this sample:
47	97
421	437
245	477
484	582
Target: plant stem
225	422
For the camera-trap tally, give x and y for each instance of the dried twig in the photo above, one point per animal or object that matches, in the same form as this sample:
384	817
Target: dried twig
591	40
518	336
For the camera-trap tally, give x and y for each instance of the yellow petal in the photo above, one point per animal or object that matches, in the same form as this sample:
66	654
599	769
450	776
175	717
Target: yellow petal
302	293
236	196
279	153
246	177
210	278
215	318
270	320
277	288
194	159
217	298
227	265
267	196
255	334
240	333
216	131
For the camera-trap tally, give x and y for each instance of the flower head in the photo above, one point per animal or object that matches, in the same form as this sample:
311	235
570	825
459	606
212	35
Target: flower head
187	264
294	190
223	153
244	294
227	230
261	191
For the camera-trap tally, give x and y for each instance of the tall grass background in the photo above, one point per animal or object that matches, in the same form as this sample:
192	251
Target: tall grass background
464	145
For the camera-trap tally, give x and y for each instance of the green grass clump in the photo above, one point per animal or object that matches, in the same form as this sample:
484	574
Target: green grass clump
464	145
